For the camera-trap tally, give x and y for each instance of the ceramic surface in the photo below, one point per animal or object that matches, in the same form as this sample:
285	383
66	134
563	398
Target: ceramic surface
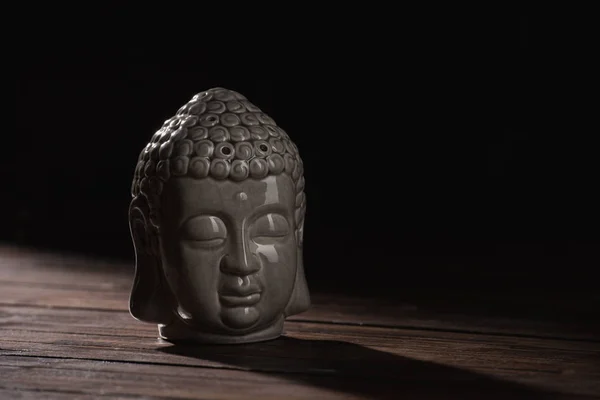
217	221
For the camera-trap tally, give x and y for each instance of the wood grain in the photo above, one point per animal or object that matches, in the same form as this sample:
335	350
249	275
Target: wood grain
309	348
157	381
65	333
324	309
19	265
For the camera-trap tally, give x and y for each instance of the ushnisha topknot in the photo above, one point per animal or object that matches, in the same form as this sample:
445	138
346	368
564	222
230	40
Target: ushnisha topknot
222	135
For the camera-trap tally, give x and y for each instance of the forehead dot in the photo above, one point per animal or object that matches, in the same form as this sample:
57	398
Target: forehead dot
241	196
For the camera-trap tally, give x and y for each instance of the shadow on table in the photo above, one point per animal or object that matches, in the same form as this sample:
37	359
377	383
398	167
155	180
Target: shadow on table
353	369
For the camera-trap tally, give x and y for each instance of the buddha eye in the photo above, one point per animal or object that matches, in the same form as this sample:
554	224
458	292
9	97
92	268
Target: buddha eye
270	225
205	230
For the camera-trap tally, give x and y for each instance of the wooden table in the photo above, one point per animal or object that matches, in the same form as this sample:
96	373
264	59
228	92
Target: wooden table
67	334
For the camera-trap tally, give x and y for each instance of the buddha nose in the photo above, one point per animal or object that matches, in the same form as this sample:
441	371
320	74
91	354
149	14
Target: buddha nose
240	263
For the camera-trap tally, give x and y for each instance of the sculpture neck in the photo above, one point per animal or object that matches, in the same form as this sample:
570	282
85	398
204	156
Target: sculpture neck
178	331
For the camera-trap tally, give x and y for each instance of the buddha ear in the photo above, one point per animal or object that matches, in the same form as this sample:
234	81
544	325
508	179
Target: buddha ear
150	299
300	299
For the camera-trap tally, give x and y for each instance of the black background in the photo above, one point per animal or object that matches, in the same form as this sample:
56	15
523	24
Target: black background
432	159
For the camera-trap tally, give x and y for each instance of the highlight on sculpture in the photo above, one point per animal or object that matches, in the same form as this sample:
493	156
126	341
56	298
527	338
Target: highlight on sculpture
217	222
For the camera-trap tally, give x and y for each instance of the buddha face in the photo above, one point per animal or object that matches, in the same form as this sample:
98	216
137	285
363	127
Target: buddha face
229	252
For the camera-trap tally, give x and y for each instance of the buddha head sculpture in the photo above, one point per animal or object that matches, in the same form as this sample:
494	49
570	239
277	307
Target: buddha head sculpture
217	222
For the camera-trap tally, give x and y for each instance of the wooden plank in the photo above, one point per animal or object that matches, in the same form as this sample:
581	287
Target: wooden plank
45	269
68	271
156	381
301	345
373	312
351	351
54	280
325	309
35	393
110	323
20	265
65	331
67	297
115	379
